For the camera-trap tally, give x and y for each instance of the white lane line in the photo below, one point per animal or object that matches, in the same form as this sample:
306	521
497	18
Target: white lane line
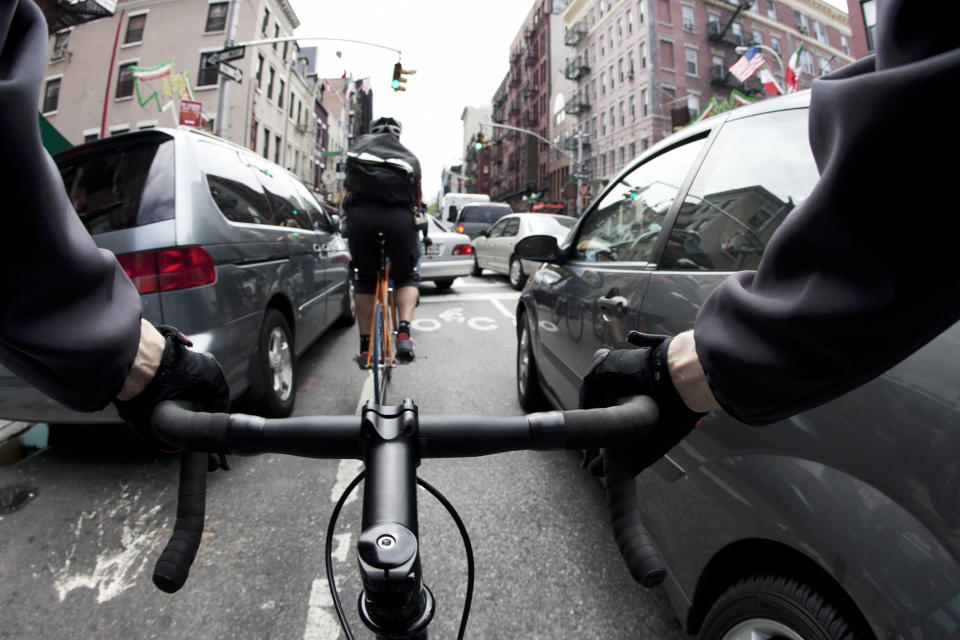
322	623
503	309
469	296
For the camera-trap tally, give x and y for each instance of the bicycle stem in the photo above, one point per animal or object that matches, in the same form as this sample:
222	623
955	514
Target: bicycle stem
395	602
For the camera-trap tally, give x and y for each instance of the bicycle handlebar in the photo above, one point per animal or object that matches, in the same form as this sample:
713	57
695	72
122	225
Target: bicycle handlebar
391	440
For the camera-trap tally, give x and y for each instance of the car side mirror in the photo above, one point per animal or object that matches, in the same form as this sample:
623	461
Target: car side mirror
337	223
538	248
485	233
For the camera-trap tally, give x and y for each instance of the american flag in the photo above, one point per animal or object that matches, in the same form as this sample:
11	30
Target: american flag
748	64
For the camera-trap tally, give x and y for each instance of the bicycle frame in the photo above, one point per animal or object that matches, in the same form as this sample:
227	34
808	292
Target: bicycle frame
391	441
380	357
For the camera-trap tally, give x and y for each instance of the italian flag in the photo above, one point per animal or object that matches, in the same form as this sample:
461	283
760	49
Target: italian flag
769	82
794	70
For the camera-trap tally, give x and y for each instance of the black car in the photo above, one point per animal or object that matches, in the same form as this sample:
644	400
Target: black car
841	522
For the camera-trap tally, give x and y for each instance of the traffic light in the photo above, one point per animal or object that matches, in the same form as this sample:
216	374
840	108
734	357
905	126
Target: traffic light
479	142
398	79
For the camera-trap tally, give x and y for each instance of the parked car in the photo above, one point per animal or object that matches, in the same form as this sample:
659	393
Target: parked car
846	516
224	245
493	247
474	218
446	258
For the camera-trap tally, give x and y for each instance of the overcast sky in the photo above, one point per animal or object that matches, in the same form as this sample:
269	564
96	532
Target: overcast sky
460	51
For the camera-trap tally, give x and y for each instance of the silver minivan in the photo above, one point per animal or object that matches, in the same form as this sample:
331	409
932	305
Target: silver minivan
226	246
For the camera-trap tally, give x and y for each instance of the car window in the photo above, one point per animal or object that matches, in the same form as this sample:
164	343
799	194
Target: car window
483	214
118	186
756	172
317	215
287	211
233	185
497	229
551	225
626	222
513	225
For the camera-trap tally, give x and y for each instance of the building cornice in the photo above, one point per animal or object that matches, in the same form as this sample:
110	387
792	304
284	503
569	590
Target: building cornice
575	11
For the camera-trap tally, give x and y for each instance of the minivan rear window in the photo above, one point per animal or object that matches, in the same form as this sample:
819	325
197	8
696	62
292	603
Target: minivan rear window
121	184
483	214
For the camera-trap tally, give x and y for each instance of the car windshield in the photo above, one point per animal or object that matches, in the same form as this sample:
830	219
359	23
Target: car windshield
484	214
551	225
121	184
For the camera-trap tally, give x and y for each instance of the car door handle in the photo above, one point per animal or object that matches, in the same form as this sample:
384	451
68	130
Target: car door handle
320	250
614	304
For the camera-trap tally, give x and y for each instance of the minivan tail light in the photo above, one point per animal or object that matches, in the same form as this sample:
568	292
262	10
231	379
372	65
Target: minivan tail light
462	250
169	269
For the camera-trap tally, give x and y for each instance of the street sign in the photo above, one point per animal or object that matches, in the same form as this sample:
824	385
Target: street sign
224	55
328	177
231	72
190	113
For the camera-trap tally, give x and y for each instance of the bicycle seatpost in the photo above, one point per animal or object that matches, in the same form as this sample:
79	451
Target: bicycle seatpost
394	601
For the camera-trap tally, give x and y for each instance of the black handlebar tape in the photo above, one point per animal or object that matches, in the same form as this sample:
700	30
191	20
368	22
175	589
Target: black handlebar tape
178	425
636	545
595	428
173	567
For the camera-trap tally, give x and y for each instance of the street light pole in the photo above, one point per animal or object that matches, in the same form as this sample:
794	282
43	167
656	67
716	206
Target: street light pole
222	101
783	76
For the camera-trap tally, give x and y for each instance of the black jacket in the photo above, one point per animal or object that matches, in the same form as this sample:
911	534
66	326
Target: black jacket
862	273
69	316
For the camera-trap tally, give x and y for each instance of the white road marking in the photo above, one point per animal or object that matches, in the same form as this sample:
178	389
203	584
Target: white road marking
322	623
503	309
456	297
482	324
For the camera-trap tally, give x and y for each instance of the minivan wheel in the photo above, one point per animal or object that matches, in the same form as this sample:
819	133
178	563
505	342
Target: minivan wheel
517	277
444	284
477	269
277	364
772	607
529	392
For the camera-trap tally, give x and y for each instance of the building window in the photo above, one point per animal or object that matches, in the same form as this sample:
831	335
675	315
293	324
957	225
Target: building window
266	143
602	50
640	14
273	72
216	17
90	137
291	105
845	44
51	95
824	66
717	70
691	62
643	103
125	81
633	110
619	30
664	11
630	65
276	149
693	105
629	21
713	24
266	21
771	9
613	121
60	45
775	45
259	69
280	95
286	50
633	150
612	83
623	116
276	34
666	54
737	31
603	124
135	26
687	17
207	75
645	144
643	55
821	31
806	61
802	22
869	8
620	69
603	83
757	37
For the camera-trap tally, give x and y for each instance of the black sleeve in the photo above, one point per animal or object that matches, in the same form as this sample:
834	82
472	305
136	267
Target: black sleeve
862	273
69	317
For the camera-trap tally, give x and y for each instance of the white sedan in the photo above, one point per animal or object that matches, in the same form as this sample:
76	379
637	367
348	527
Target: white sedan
446	258
493	248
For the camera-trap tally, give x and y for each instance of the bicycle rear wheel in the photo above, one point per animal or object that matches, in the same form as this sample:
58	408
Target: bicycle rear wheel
380	365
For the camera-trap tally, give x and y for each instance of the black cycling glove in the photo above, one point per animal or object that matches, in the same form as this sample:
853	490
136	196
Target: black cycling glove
622	373
182	375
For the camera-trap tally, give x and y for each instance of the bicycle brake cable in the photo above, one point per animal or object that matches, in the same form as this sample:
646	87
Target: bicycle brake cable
467	546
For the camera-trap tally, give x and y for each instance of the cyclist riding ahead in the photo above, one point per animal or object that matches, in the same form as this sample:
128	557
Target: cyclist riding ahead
383	194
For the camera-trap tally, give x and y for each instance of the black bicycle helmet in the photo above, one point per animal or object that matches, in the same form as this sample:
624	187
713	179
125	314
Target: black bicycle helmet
386	125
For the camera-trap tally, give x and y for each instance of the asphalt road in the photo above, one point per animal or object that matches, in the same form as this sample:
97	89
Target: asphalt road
77	556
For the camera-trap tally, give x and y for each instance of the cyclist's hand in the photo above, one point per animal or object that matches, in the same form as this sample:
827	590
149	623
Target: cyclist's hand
427	241
183	375
621	373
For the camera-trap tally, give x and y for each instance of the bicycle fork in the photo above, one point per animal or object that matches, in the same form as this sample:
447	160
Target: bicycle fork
394	602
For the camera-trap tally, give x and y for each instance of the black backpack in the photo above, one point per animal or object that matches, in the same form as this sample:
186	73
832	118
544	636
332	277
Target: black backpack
381	169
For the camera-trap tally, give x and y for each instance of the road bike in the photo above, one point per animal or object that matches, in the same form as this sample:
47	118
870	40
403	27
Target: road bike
391	440
380	357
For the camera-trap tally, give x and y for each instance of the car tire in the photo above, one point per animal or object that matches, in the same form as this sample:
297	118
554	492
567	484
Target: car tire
477	269
444	284
348	311
770	606
277	365
517	277
529	392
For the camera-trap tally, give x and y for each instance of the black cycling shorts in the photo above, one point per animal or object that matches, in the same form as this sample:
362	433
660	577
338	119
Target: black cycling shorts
364	219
